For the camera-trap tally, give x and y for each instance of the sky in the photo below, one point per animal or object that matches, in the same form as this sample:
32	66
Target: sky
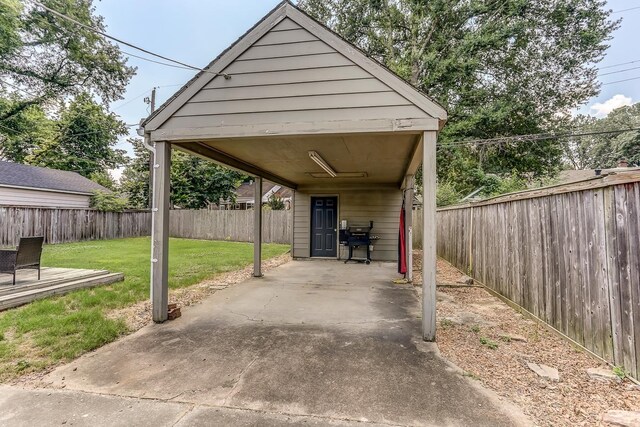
196	31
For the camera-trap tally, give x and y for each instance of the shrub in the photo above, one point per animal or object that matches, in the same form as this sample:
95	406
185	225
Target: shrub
275	203
446	195
108	201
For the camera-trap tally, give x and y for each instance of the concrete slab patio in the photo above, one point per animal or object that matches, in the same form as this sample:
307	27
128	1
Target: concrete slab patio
314	341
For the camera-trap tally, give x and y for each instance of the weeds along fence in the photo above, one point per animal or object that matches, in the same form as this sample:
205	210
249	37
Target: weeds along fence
74	225
569	255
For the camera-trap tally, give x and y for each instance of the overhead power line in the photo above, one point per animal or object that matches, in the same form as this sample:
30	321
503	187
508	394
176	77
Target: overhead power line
141	95
158	62
16	87
620	81
68	134
131	45
619	71
131	100
620	64
626	10
532	137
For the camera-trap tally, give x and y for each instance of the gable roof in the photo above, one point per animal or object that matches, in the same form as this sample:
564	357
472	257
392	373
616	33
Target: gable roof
287	11
26	176
247	190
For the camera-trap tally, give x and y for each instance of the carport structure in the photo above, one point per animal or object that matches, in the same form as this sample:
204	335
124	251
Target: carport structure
294	103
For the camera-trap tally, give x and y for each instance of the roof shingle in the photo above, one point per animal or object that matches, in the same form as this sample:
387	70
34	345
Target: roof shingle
19	175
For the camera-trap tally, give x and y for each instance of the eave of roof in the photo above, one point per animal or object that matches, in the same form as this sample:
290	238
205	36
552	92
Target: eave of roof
283	5
46	190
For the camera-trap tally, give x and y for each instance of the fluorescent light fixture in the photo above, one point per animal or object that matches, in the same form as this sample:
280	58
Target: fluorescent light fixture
324	165
338	175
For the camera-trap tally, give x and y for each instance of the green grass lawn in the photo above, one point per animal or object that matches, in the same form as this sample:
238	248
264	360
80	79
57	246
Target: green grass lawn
56	329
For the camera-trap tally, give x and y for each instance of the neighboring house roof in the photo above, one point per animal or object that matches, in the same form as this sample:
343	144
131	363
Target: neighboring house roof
245	192
286	9
570	176
25	176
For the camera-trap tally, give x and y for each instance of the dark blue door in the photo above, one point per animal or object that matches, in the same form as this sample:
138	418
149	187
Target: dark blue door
324	226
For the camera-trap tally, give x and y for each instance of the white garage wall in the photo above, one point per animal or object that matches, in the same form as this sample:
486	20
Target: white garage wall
356	206
41	198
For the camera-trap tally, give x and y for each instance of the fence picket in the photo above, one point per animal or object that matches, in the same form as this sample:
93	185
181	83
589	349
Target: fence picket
569	255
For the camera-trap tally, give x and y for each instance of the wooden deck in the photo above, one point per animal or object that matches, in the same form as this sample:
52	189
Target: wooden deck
53	281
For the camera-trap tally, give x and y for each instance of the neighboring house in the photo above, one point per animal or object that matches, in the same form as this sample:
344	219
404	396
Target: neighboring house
24	185
569	176
245	196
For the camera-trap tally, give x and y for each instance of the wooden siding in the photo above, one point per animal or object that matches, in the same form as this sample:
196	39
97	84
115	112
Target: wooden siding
571	258
290	75
41	198
356	206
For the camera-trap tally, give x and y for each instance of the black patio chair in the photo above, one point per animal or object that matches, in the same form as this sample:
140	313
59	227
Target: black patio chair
26	256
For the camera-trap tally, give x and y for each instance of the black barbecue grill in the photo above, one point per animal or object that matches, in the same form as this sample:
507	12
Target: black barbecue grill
355	236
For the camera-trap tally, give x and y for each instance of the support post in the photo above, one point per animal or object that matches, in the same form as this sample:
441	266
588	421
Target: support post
257	229
408	224
151	159
160	232
429	237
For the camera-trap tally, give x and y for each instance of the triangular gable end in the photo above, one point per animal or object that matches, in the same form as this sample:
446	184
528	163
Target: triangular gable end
287	69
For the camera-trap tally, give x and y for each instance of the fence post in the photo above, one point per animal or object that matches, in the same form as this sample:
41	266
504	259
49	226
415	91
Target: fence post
471	243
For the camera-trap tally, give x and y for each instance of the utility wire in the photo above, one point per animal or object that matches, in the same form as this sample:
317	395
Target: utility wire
131	100
16	87
69	134
103	34
620	81
618	65
141	95
158	62
619	71
626	10
532	137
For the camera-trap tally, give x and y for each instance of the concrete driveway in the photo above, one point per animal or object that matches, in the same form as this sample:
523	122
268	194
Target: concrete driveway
313	342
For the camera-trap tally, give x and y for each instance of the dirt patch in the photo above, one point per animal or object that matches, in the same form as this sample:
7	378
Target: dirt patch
485	351
447	274
139	315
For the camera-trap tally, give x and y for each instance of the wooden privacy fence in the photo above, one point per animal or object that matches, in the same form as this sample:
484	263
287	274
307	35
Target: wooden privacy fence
569	254
74	225
70	225
236	226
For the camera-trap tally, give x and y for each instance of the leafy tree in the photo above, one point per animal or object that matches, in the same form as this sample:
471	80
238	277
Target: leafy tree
446	195
23	133
195	183
108	201
134	182
50	58
105	179
604	150
500	68
85	140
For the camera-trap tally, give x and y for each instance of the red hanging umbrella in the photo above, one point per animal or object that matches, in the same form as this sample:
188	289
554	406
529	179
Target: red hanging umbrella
402	248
